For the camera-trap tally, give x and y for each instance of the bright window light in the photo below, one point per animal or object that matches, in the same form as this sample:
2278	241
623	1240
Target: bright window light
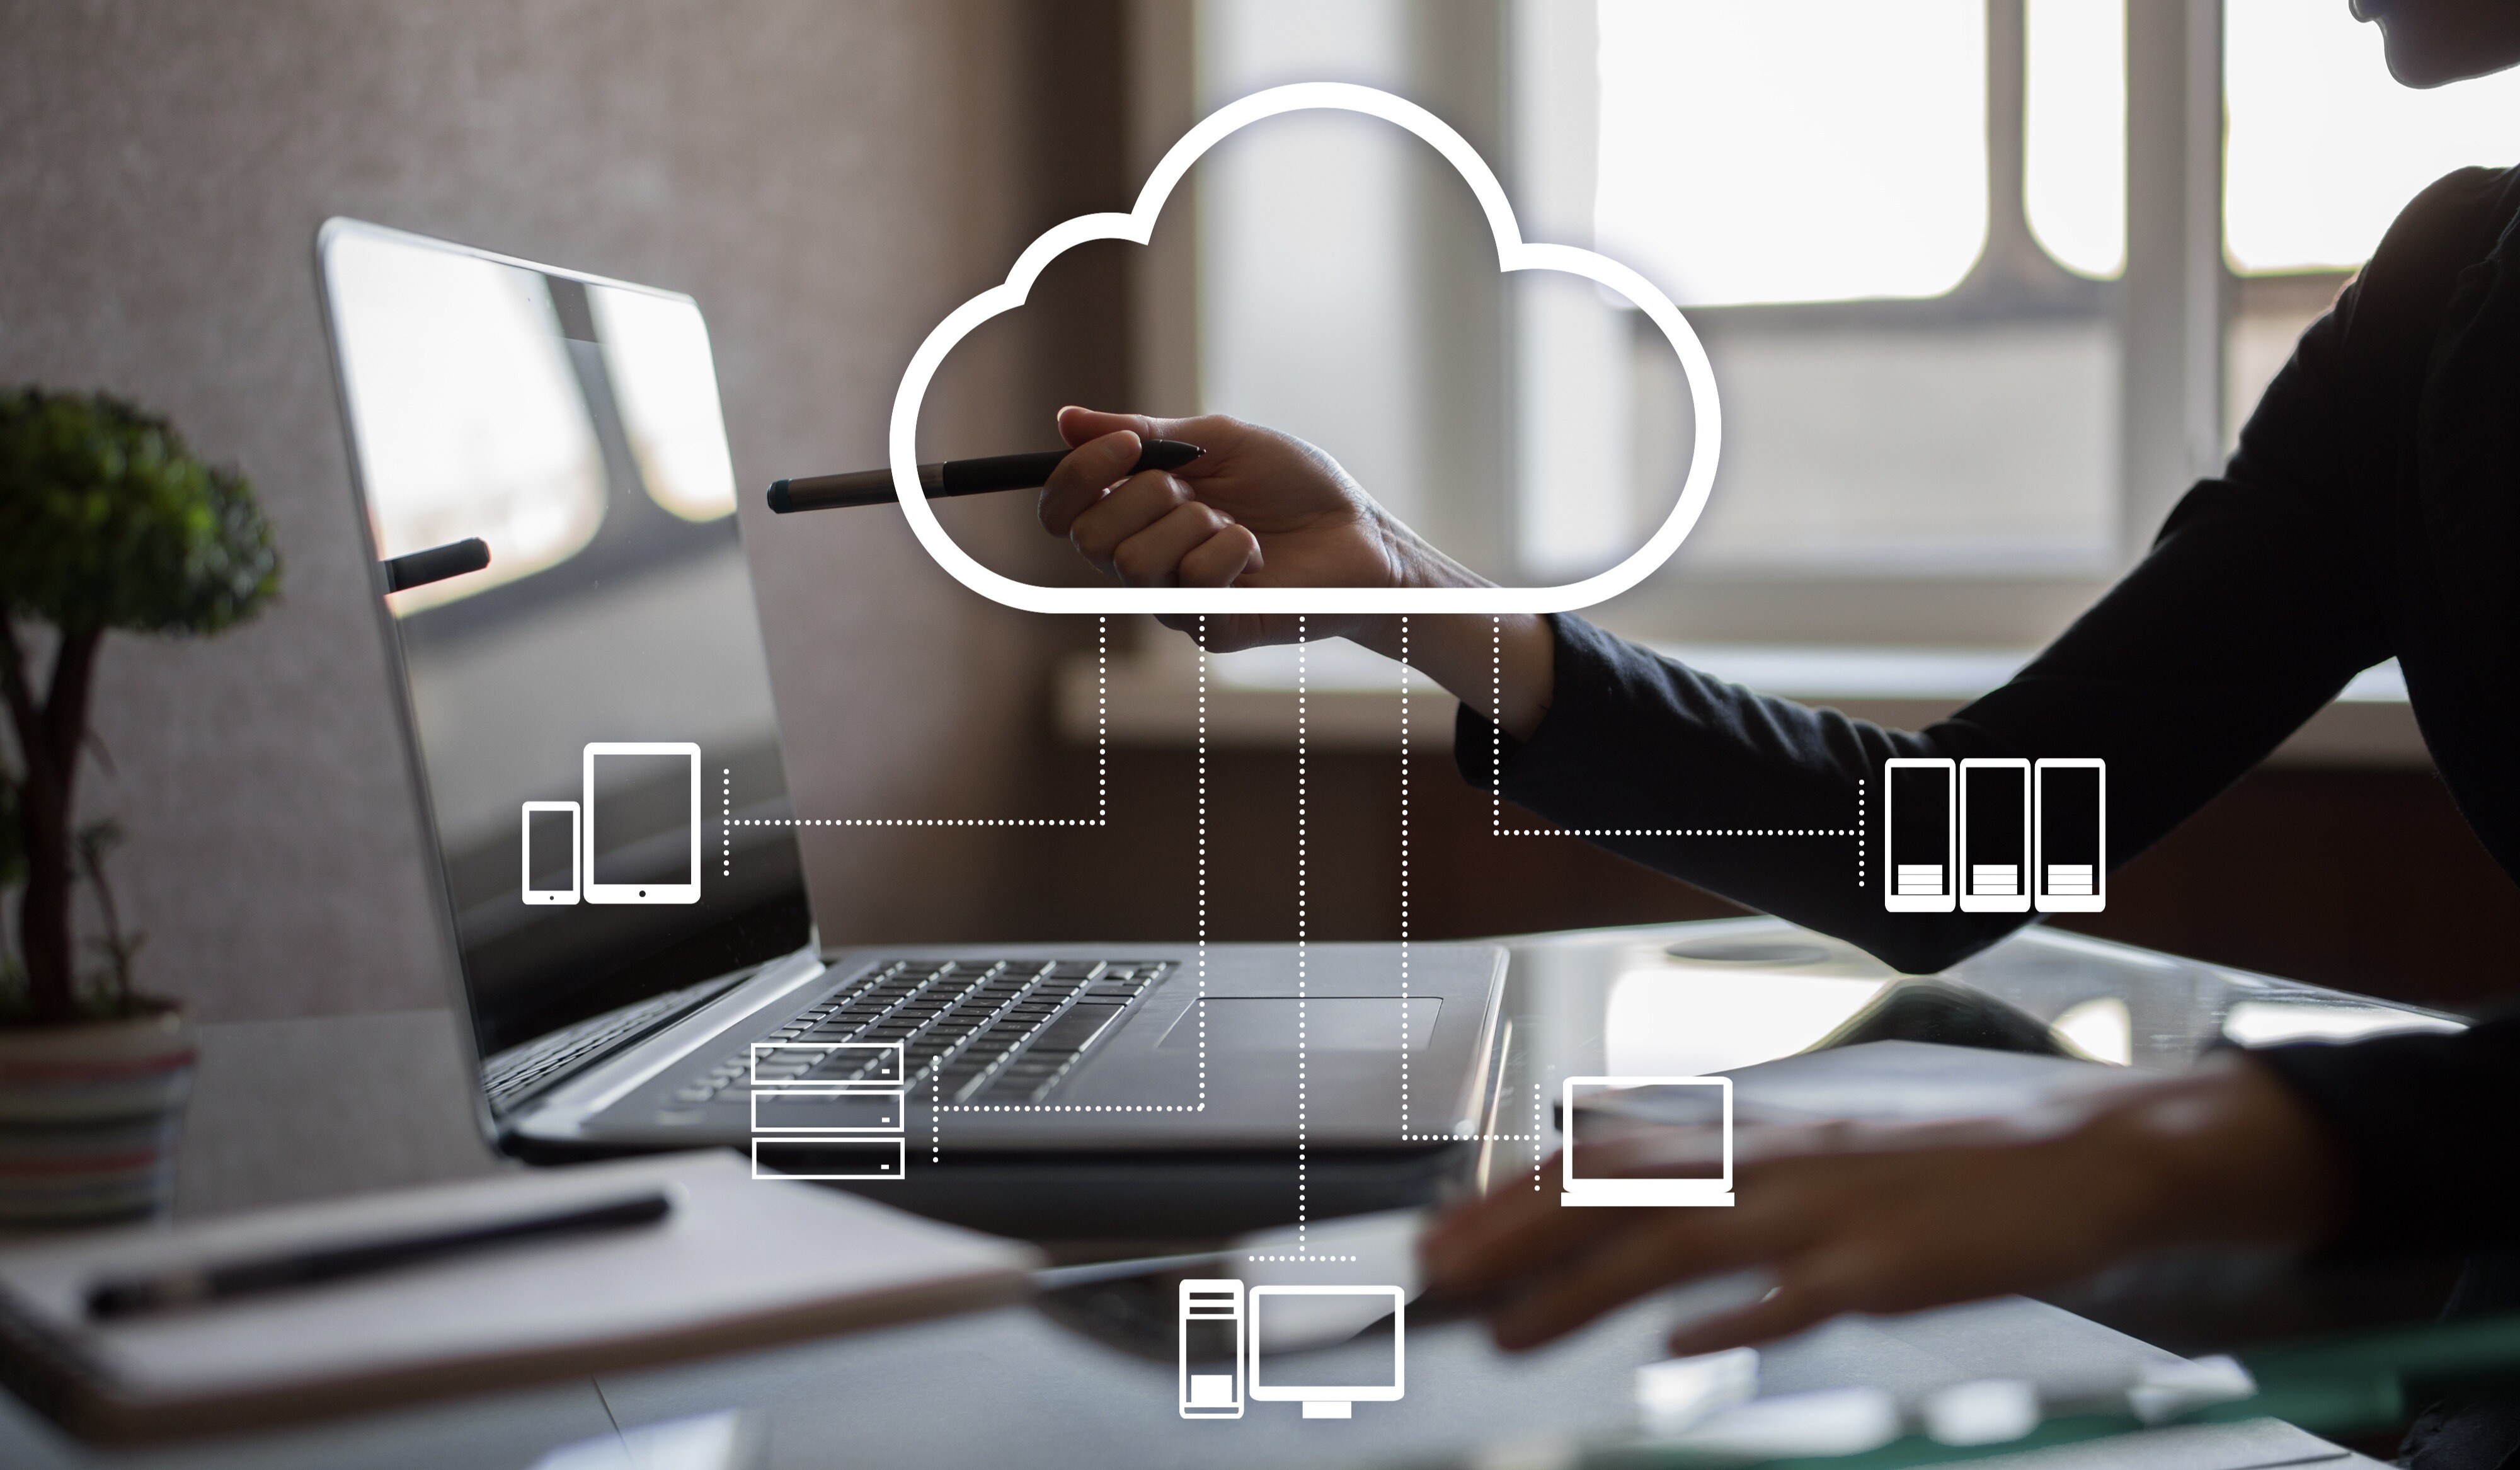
1793	150
2325	149
657	352
470	421
2073	171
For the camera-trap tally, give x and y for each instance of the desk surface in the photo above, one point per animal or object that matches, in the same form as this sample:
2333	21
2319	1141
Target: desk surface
1015	1385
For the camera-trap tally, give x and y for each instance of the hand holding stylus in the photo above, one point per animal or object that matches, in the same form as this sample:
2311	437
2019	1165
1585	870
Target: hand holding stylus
1264	509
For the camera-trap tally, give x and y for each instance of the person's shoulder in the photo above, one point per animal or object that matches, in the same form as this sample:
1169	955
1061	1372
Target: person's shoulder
2453	223
2394	304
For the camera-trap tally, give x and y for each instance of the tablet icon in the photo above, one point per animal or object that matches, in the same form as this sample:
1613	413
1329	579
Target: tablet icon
643	821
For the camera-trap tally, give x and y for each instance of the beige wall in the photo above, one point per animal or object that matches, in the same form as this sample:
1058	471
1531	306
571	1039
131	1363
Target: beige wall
825	178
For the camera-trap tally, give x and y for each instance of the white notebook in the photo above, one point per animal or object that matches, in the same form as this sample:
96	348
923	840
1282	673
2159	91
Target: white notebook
737	1262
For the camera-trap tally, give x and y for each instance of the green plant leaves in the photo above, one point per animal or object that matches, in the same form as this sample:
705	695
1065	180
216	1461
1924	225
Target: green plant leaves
107	520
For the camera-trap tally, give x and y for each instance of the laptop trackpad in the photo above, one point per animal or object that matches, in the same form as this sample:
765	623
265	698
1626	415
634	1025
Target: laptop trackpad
1330	1023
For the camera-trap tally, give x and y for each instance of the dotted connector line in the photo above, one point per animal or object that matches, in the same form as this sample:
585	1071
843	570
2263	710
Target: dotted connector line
1496	774
1405	1137
1682	832
1538	1126
1201	1002
1101	721
1303	1177
726	822
1404	876
1306	1258
1496	728
1859	824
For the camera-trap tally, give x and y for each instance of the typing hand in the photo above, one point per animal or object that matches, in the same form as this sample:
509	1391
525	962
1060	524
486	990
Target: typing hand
1885	1219
1259	509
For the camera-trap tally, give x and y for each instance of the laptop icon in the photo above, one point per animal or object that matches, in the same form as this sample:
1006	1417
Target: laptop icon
564	590
1603	1105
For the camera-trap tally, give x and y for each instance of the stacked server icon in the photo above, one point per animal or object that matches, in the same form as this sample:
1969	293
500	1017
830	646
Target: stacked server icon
830	1109
1995	835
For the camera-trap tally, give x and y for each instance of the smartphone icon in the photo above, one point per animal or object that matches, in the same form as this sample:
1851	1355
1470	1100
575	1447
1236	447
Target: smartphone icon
2070	816
1993	868
1211	1350
1921	828
550	853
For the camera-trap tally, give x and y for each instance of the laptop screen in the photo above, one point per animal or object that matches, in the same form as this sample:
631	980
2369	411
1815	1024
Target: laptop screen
545	481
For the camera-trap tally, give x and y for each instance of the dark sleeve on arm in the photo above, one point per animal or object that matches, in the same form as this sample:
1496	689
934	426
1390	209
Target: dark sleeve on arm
2426	1127
2249	613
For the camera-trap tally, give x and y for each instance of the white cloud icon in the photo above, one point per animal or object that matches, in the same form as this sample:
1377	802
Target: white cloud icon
1513	253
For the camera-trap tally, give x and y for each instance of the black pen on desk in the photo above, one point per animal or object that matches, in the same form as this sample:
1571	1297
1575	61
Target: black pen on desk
252	1276
957	477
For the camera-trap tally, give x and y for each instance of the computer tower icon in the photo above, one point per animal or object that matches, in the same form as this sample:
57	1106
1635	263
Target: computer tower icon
1921	835
2070	852
1996	842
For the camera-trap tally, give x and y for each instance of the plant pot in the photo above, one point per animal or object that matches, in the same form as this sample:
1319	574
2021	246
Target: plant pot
89	1114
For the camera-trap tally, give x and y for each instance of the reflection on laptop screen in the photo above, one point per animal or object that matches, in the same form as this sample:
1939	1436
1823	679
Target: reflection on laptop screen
571	426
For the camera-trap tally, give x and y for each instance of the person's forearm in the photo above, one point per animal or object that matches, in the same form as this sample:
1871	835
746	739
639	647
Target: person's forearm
1505	668
1501	667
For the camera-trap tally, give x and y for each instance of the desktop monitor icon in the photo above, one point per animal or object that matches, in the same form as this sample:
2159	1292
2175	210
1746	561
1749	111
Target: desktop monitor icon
1296	1313
1672	1100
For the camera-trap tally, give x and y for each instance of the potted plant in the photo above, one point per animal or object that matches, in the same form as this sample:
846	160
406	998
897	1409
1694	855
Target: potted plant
107	521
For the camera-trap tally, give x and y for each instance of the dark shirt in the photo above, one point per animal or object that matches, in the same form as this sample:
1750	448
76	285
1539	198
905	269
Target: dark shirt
2372	509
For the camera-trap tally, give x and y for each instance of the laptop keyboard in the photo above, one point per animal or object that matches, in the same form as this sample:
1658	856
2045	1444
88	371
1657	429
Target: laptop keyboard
519	1072
985	1031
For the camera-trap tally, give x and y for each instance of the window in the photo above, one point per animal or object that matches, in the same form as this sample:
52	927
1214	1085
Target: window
1793	150
2073	133
1915	384
1903	233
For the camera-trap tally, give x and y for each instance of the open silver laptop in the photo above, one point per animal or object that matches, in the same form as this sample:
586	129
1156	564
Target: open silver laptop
544	479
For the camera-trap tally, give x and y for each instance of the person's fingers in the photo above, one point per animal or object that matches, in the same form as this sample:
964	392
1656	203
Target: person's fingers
1078	481
1223	557
1080	426
1139	502
1153	558
1221	437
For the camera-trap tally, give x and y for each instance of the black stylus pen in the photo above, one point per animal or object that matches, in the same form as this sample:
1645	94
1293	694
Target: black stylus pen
197	1285
957	477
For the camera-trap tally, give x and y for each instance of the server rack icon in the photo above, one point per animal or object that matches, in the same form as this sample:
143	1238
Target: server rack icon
830	1109
1992	835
